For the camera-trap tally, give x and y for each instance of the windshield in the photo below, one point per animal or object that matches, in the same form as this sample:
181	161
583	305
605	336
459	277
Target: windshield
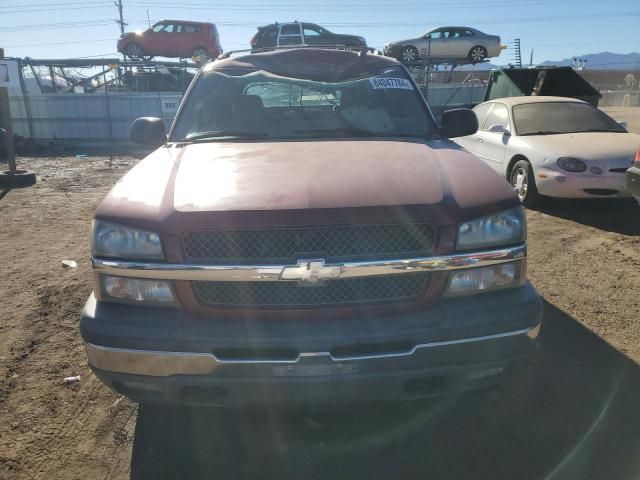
561	117
260	104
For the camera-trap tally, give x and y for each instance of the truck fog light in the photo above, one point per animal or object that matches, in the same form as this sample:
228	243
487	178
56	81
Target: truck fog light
505	275
136	290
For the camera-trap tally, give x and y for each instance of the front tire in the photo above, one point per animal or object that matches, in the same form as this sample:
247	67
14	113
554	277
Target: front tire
478	54
201	53
134	50
523	182
408	54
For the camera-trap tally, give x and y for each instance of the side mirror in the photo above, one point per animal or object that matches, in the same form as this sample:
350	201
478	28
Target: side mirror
624	125
497	128
148	131
459	122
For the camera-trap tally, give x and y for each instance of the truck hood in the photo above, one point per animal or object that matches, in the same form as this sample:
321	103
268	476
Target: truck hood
588	145
291	182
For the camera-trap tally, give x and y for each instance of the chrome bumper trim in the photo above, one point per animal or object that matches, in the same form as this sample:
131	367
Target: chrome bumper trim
271	273
164	364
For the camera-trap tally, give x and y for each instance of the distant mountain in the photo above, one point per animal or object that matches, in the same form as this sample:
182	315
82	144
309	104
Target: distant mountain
594	61
604	61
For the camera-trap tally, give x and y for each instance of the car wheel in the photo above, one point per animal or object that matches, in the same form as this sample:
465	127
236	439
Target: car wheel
17	179
409	54
134	50
478	54
200	52
522	180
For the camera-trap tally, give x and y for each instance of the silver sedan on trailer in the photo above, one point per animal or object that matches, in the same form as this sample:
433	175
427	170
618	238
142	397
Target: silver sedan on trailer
447	44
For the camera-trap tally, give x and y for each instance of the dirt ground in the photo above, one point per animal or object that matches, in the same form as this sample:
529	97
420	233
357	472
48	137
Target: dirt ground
575	417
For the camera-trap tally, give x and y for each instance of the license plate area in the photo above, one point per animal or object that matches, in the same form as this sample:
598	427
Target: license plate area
314	370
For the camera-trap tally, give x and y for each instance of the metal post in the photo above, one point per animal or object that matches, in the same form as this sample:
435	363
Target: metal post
106	96
5	123
25	99
53	79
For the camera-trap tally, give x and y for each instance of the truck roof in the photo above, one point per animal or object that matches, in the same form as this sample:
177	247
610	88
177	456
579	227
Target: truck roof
319	64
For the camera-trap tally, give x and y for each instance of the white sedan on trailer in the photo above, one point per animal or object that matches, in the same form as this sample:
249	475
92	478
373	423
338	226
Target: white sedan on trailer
553	146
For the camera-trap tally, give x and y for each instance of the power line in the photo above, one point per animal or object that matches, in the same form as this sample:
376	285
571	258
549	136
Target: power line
53	4
56	9
476	21
367	4
59	43
54	26
324	6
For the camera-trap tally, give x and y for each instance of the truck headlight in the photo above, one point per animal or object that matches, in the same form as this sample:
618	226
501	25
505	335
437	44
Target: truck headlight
118	241
495	277
135	290
501	229
570	164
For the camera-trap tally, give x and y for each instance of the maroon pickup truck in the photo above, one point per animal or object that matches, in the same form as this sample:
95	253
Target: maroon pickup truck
306	233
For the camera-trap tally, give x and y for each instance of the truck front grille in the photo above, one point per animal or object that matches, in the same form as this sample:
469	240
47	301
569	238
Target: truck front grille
369	290
331	243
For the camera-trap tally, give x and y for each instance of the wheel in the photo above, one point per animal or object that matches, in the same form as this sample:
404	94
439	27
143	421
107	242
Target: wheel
522	180
477	54
134	50
409	54
200	52
17	179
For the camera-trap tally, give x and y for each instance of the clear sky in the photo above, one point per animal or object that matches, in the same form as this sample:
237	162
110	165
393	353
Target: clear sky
555	29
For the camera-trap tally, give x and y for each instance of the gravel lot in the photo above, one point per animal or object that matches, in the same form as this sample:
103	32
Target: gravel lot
574	416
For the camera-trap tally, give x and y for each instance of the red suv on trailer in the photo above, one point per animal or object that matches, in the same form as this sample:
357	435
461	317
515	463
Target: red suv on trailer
172	38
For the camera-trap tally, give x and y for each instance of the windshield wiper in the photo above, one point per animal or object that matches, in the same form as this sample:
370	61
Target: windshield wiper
582	130
339	131
198	136
541	132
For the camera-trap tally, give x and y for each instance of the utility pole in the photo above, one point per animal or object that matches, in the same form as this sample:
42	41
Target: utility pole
120	22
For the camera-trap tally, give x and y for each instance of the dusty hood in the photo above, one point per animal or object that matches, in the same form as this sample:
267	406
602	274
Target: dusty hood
305	175
217	180
589	145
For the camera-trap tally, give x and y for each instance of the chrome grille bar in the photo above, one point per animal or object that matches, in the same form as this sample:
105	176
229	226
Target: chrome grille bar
273	273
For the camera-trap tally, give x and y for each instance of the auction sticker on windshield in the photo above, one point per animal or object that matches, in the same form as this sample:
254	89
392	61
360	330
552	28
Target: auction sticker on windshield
383	82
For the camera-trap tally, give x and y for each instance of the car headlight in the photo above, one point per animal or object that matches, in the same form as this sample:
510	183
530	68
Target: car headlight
118	241
571	164
135	290
501	229
495	277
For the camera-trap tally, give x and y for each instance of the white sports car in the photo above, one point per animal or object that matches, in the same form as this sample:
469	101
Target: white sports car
553	146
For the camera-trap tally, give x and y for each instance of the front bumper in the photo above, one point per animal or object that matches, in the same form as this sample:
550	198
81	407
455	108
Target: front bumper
633	182
163	354
554	183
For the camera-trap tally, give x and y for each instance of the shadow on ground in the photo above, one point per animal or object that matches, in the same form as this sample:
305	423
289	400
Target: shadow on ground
619	216
574	415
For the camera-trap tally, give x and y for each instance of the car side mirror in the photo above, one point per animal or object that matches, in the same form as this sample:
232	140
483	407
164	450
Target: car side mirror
624	125
459	122
148	131
497	128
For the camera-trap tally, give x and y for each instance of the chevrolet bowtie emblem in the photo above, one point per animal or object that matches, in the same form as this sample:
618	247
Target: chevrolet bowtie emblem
311	272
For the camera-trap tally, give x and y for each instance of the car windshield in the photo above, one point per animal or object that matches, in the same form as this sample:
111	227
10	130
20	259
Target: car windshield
548	118
259	104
